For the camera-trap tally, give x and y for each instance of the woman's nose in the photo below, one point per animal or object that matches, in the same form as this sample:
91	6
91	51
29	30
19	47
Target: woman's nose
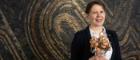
98	14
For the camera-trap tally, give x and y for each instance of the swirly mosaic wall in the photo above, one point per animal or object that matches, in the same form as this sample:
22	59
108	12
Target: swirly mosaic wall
43	29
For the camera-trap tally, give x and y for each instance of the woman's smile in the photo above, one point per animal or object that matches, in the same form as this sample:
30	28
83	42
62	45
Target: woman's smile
98	20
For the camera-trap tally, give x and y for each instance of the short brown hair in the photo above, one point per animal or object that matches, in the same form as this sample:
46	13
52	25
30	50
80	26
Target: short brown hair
89	6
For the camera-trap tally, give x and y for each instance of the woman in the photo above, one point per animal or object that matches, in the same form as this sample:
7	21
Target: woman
81	47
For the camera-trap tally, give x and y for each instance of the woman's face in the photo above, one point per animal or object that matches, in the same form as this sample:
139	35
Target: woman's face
96	15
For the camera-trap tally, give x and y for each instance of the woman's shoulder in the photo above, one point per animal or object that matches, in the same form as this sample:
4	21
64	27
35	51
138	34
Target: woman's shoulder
82	31
110	31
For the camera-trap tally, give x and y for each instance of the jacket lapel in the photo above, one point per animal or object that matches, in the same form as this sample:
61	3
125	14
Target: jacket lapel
110	36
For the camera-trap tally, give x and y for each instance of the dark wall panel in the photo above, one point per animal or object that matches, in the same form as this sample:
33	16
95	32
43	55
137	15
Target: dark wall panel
43	29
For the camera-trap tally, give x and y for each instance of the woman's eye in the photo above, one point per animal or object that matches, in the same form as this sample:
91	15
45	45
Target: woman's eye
101	12
94	12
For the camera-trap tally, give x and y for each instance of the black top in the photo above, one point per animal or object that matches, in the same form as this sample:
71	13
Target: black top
80	48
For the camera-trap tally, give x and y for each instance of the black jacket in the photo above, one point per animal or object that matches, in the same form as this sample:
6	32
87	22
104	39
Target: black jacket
80	47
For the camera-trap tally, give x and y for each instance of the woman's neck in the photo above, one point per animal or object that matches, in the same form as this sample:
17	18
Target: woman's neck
96	29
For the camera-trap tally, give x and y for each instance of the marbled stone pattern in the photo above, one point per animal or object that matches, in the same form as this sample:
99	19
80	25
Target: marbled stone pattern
44	29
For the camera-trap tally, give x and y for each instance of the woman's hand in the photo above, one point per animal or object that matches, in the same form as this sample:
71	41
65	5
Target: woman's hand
97	58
